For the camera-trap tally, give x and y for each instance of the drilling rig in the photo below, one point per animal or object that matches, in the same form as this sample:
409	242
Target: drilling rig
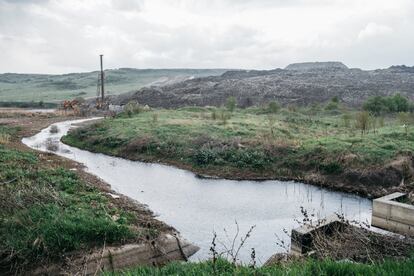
100	88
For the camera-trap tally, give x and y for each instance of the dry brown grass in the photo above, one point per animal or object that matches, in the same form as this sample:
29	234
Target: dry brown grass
359	244
4	138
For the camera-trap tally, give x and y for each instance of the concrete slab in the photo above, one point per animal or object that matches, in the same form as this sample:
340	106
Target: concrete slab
165	249
302	237
394	216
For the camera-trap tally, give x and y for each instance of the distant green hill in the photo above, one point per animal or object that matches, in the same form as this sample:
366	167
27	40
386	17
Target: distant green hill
51	88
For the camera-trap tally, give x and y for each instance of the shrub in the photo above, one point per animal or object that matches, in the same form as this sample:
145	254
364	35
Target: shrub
231	104
214	114
273	107
406	119
132	108
110	142
205	156
379	105
331	167
239	157
376	105
331	106
346	118
4	138
362	121
224	116
398	103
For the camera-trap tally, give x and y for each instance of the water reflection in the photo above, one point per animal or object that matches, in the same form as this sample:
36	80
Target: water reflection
198	207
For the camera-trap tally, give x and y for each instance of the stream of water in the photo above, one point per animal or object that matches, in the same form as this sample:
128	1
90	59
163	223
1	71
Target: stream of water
198	207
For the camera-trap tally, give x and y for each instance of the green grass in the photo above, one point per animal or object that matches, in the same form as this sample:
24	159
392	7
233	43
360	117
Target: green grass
309	267
250	140
46	212
52	88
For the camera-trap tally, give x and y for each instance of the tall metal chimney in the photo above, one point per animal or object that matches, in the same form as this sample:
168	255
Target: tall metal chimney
102	81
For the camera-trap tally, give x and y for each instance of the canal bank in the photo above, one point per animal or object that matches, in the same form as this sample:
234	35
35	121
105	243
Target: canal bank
197	208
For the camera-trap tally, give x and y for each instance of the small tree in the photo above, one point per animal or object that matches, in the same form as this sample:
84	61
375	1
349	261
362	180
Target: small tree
362	121
273	107
376	105
272	121
333	104
214	114
224	116
400	103
406	120
379	105
373	123
346	118
132	108
231	103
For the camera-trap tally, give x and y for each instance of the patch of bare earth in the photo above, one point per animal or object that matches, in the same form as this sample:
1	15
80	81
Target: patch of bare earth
31	123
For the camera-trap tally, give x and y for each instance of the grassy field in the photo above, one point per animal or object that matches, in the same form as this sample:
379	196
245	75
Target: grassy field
250	143
51	88
309	267
47	211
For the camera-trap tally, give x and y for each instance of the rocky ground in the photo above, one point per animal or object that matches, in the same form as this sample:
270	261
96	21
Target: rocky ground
304	83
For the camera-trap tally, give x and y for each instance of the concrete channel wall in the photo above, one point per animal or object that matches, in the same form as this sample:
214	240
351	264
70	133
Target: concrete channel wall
166	249
394	216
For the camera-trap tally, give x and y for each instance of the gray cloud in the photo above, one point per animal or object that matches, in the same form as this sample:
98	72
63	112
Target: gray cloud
63	36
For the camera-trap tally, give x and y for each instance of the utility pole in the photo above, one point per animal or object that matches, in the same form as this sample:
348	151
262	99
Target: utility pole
102	81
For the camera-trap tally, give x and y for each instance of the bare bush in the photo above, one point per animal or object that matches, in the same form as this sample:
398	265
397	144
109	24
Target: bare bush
352	240
224	117
132	108
4	138
362	121
231	248
406	120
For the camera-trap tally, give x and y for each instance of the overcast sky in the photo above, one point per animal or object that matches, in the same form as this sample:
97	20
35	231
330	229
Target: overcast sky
60	36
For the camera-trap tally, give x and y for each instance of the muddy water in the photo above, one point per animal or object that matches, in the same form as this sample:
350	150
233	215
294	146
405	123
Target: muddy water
198	207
